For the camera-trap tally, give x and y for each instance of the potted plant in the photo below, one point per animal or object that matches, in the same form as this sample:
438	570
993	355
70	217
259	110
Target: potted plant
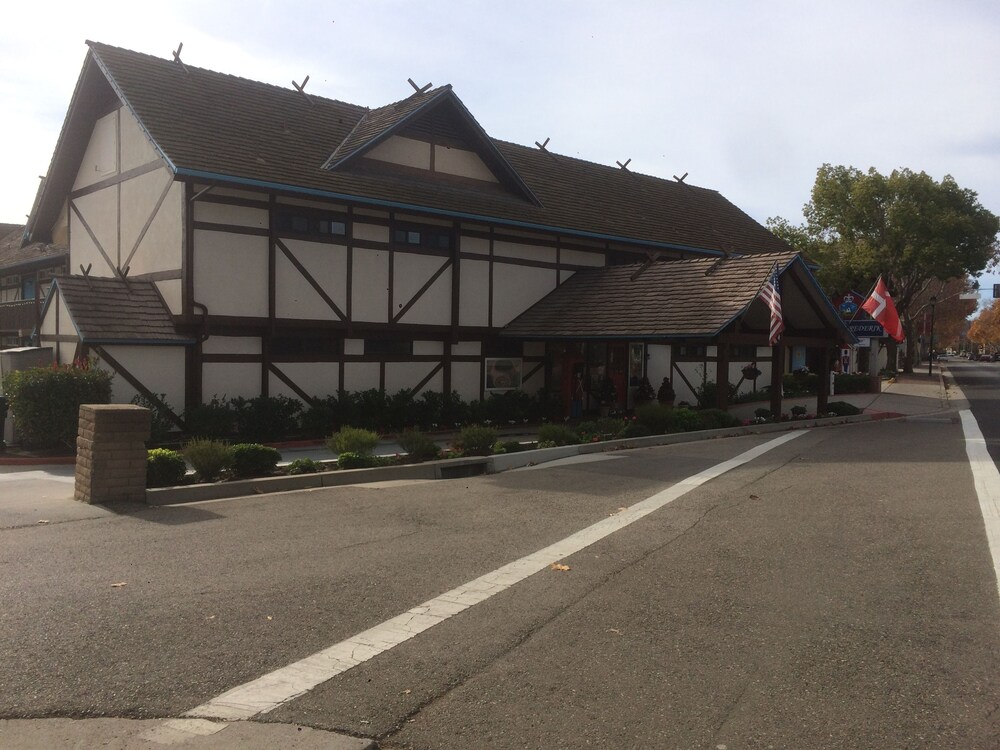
644	392
665	395
606	395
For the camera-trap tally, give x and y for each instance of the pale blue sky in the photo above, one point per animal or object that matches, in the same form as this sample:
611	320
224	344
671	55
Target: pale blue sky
749	98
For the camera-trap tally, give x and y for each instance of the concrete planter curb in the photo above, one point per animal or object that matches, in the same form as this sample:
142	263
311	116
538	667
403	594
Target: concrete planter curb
454	468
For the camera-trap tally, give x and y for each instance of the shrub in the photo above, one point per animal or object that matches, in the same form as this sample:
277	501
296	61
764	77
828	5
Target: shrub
842	409
303	466
266	418
665	394
164	468
853	383
353	440
253	460
557	434
706	394
476	440
798	411
545	444
714	419
644	392
321	417
610	427
418	445
398	410
508	407
353	460
656	417
684	420
213	420
635	430
762	413
367	408
209	458
46	401
799	383
160	424
509	446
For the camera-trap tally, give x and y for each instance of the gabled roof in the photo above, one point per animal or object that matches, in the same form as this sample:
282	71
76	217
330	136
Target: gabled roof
14	256
116	311
676	299
211	126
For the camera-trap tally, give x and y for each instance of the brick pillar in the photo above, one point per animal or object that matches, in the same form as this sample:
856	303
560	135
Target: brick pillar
111	453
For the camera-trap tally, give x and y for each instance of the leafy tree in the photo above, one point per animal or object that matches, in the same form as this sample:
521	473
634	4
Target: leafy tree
985	329
919	234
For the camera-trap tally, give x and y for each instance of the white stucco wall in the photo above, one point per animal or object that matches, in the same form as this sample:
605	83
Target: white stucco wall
100	210
160	246
461	162
410	273
221	213
136	148
474	293
230	379
465	378
320	379
370	288
399	375
230	273
405	151
231	345
360	376
516	288
159	368
100	159
295	297
581	258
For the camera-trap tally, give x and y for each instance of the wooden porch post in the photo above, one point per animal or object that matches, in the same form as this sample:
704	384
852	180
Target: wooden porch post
823	387
777	370
722	376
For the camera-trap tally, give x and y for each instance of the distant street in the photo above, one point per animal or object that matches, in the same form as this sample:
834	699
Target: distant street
834	591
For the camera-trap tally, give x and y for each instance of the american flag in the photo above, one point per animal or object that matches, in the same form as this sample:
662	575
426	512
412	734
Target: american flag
771	292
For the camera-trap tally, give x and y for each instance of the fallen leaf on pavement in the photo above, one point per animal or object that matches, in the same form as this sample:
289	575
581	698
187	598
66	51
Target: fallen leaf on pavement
559	566
755	497
616	631
119	585
269	617
43	520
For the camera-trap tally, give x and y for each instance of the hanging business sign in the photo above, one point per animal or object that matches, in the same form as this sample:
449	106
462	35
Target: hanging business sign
866	328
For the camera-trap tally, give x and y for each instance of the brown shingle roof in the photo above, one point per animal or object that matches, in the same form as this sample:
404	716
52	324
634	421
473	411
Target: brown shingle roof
211	124
667	299
113	311
12	254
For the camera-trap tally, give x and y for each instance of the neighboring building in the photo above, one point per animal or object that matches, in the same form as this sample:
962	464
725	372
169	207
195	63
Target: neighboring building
26	270
242	239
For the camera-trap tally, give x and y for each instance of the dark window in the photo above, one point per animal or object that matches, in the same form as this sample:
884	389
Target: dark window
318	345
311	224
438	238
689	351
743	351
388	347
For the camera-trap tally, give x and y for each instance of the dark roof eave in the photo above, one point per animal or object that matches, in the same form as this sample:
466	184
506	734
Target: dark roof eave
39	262
317	193
138	342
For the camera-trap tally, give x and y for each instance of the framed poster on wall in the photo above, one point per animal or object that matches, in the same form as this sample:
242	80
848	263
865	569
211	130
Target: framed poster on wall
503	373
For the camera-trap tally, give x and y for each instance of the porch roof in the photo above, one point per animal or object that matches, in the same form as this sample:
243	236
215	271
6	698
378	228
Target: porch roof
117	311
679	299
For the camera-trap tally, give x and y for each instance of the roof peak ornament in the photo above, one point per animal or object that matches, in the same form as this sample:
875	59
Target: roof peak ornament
625	165
418	89
177	57
302	90
542	146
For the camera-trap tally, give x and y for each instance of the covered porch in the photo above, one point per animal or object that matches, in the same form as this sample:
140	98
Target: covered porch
694	322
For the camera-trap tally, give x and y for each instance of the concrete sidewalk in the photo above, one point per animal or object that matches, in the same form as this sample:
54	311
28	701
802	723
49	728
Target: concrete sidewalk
908	395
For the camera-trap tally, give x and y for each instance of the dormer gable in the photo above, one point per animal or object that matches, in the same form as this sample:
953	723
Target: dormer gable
430	135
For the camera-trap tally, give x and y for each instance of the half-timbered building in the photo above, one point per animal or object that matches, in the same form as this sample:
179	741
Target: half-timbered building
229	237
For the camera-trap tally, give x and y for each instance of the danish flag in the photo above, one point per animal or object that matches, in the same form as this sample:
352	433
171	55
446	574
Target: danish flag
880	306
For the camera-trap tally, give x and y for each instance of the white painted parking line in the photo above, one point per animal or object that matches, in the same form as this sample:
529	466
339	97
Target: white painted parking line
272	690
987	479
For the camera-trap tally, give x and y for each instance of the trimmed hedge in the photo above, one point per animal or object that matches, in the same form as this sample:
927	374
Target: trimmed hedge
253	460
46	401
164	468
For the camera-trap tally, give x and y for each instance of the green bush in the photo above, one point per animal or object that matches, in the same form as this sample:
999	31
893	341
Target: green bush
656	417
510	446
160	424
557	434
610	427
714	419
851	383
353	440
799	384
209	458
635	430
842	409
164	468
266	418
214	420
418	446
476	440
253	460
684	420
303	466
762	413
706	394
321	418
46	401
353	460
798	411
